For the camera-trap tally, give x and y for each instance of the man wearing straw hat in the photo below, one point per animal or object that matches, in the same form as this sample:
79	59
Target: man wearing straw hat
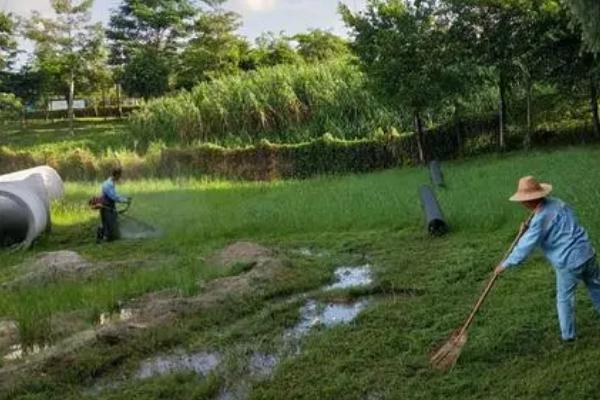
565	244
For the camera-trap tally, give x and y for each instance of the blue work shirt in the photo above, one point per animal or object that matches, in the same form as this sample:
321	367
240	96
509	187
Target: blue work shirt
109	191
556	230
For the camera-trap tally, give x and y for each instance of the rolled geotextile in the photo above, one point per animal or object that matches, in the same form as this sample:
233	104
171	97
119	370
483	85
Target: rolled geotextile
434	219
25	198
435	171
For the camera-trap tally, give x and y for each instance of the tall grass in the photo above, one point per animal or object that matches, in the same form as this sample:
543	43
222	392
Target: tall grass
285	103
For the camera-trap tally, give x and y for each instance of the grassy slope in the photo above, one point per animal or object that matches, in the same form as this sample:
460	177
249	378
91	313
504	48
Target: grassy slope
513	349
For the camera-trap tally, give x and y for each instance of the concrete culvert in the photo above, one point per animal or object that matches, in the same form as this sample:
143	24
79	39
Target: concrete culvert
435	172
25	204
435	223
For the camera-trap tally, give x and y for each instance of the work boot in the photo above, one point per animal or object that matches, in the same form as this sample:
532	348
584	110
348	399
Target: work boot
99	235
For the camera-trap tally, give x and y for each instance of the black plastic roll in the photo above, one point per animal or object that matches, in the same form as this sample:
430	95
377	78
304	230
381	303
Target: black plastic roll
435	171
435	223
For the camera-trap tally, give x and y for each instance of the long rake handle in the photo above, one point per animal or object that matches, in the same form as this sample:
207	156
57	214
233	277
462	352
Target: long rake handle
493	279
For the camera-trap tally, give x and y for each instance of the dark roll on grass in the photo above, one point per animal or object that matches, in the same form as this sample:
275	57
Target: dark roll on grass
434	220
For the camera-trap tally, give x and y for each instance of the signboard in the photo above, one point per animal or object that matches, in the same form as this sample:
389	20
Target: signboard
60	105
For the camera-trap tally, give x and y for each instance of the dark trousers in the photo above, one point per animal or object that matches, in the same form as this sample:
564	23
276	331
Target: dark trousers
110	224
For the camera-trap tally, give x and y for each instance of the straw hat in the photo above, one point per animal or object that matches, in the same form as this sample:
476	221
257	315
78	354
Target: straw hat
531	189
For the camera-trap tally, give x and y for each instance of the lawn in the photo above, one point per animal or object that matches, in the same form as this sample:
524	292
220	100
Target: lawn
95	134
423	289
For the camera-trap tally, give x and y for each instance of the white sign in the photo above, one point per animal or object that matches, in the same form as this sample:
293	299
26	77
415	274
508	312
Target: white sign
60	105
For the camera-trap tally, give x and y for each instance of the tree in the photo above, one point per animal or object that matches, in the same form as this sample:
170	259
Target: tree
66	46
271	50
215	49
587	15
8	45
505	36
571	66
401	47
150	30
147	74
319	45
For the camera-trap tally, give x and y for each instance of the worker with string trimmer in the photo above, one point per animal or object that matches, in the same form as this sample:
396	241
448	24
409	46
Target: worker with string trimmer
107	206
554	228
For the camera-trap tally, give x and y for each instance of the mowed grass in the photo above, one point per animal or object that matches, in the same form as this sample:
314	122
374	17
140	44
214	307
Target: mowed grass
513	350
94	134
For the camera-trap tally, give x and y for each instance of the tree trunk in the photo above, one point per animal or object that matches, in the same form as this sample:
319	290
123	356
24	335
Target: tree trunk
70	101
527	141
419	132
502	112
104	103
458	130
119	107
594	107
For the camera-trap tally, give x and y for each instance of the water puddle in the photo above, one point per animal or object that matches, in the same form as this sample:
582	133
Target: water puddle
201	363
349	277
314	314
262	365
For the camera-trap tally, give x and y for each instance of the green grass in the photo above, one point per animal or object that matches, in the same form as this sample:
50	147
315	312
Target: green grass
96	135
513	350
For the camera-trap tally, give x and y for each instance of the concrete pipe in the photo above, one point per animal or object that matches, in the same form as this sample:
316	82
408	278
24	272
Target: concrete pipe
435	223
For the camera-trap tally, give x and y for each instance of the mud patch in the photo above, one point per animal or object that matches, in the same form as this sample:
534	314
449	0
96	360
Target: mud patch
314	314
201	363
350	277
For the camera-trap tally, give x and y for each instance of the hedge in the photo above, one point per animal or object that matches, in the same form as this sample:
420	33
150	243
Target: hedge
266	161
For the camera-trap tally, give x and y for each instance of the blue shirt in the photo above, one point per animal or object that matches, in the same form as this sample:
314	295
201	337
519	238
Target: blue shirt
109	190
556	230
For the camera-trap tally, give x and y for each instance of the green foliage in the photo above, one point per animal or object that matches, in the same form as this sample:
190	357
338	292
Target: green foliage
10	106
68	49
283	103
214	50
319	45
415	74
271	50
7	40
587	14
147	23
147	74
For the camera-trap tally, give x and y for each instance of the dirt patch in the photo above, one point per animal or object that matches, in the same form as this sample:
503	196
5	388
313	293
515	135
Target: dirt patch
9	334
165	306
240	253
65	265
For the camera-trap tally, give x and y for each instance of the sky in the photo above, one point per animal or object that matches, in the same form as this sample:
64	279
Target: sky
291	16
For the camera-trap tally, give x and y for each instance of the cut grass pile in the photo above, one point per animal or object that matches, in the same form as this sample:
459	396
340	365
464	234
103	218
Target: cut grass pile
513	351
